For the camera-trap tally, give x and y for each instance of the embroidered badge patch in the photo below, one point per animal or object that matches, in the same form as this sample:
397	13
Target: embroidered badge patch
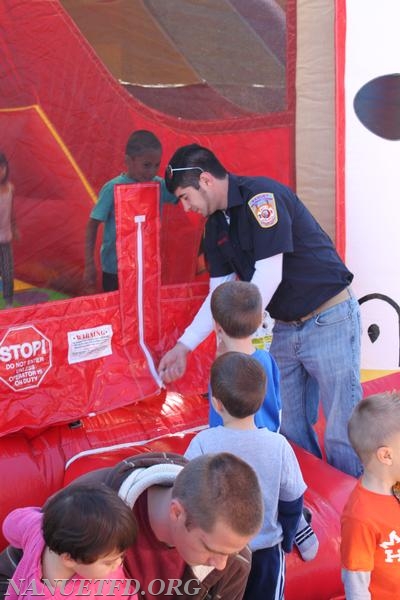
263	207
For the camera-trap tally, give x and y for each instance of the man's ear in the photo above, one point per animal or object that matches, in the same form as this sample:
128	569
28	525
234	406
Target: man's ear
206	178
176	510
385	455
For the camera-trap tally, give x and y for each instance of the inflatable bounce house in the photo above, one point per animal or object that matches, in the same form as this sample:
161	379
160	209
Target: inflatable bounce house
305	92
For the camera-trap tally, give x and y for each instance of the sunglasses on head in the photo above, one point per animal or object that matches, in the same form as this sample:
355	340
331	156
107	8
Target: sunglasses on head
169	171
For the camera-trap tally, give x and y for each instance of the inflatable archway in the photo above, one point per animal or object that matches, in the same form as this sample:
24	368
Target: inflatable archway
78	384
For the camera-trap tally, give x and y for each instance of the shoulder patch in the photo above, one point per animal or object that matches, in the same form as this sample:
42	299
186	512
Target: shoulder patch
263	207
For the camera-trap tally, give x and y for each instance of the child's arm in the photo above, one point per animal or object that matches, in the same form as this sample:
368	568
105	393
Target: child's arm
289	514
356	584
15	232
18	524
101	211
90	243
11	530
292	488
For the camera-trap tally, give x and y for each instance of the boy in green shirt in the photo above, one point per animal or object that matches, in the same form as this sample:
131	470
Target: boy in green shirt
142	158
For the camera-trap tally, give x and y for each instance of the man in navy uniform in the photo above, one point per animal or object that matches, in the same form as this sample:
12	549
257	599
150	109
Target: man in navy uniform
258	230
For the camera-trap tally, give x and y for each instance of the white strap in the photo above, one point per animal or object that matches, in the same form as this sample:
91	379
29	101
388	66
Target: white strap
142	478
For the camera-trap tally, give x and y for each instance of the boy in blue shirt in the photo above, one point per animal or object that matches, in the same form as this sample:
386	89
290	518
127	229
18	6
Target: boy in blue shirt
142	158
236	307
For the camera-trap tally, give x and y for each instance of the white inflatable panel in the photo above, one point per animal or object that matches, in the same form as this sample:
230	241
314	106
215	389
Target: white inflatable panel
372	173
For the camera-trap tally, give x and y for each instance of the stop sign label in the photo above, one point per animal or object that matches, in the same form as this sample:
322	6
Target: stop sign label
25	357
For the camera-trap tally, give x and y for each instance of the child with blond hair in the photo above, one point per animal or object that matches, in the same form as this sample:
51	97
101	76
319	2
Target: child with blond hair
370	545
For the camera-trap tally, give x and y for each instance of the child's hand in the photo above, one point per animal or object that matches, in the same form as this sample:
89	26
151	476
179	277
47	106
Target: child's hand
89	280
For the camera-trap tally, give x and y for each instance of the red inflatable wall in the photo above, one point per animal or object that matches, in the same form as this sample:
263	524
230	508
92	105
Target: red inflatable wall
64	130
74	358
61	123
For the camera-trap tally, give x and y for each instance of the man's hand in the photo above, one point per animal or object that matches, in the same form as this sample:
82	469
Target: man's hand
173	364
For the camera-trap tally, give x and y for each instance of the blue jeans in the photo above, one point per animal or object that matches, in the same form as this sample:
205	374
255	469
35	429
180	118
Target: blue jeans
320	359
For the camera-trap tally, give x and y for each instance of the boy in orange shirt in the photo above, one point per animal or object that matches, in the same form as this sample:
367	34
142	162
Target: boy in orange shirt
370	547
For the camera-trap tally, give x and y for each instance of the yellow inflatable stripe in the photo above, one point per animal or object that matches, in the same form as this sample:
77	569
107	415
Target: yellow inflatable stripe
368	374
60	142
21	285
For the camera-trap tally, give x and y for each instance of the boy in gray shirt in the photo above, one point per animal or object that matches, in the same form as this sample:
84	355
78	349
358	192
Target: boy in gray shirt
238	388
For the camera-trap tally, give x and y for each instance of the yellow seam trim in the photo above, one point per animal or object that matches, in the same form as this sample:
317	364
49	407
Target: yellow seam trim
60	142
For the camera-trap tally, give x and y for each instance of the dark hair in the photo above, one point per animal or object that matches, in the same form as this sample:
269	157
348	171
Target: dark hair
220	487
140	141
237	307
373	422
239	382
192	155
4	161
87	522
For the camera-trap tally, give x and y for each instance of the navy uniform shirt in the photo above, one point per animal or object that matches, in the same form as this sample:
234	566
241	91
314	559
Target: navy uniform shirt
264	218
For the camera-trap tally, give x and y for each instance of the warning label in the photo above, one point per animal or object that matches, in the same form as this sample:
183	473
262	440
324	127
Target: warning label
25	357
88	344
